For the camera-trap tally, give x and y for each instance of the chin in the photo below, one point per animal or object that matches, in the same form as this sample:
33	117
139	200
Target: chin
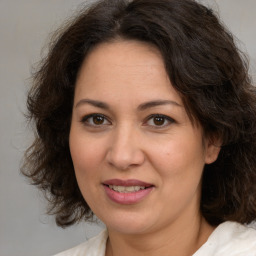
128	223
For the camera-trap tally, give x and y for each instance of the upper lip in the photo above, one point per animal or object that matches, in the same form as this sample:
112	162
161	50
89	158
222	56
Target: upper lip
127	183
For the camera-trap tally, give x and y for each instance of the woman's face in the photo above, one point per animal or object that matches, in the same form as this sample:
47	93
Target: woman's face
137	157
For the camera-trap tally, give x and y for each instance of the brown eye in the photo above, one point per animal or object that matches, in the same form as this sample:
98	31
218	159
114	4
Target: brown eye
95	120
98	120
159	121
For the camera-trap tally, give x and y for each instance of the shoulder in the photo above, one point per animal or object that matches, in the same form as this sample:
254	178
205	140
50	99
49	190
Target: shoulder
230	238
94	246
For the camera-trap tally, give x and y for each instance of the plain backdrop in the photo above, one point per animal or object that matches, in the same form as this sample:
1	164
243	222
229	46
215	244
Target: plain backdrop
25	229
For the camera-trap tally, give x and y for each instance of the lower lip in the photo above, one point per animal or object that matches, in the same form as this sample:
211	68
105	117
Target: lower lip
127	198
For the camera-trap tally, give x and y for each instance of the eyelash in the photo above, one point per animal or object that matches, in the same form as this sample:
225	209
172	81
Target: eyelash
169	120
165	118
87	117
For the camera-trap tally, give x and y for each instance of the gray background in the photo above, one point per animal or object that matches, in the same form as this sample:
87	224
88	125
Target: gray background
25	25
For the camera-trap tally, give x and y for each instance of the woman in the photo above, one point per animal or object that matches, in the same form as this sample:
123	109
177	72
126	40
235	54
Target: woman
146	117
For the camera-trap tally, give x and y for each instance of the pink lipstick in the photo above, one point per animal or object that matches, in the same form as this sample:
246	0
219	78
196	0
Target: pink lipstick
127	191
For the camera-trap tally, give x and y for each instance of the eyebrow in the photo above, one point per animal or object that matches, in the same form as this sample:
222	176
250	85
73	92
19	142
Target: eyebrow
95	103
141	107
156	103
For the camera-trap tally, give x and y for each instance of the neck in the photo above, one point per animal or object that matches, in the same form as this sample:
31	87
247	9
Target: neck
175	240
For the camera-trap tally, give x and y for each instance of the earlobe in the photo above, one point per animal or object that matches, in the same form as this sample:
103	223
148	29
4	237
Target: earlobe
212	154
213	148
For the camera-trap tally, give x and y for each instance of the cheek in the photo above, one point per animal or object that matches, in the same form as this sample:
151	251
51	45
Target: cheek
180	165
179	157
86	154
87	160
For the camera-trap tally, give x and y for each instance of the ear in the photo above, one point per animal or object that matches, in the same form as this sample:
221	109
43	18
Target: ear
212	149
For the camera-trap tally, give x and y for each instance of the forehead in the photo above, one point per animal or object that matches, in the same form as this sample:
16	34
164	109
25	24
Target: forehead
126	46
123	54
125	66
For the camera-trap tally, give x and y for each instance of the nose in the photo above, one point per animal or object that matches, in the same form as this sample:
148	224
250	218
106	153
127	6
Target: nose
125	149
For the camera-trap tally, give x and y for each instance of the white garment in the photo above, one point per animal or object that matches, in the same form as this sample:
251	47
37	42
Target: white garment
228	239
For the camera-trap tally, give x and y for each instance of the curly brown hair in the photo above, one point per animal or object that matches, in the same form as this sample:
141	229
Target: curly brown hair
204	66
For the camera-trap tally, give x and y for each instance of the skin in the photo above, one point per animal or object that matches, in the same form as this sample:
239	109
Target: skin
126	142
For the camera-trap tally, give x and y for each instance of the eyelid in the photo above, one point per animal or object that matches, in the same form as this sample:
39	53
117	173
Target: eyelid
85	118
168	118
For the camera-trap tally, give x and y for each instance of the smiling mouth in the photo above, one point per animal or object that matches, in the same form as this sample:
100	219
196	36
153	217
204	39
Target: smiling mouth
127	192
125	189
127	186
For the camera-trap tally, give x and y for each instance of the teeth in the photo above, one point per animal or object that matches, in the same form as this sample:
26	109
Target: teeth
124	189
